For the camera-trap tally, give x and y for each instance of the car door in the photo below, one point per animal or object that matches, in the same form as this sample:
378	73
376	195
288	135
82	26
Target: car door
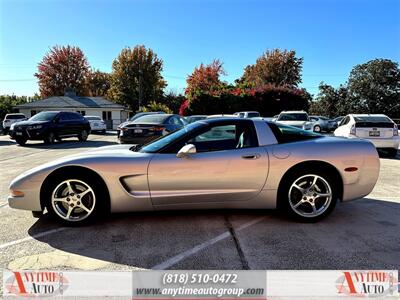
219	172
63	124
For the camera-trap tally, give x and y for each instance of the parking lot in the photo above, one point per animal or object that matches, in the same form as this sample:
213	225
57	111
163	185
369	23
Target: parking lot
364	234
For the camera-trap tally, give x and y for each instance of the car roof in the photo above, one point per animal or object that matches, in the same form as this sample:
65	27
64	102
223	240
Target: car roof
13	114
294	111
368	115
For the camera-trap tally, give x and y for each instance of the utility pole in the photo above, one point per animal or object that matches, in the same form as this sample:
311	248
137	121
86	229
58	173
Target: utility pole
140	88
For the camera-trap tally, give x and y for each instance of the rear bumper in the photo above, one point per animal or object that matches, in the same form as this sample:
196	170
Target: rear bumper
136	140
386	142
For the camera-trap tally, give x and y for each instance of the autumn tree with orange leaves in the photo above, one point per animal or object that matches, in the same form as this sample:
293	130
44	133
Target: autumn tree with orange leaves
205	79
61	68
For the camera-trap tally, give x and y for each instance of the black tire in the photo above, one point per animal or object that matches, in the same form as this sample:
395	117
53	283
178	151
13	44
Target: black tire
100	203
392	152
83	136
317	128
103	131
50	138
289	196
21	141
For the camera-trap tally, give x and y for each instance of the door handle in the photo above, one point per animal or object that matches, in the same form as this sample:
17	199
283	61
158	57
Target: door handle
251	156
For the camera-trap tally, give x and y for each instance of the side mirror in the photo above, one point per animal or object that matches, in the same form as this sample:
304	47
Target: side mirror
186	151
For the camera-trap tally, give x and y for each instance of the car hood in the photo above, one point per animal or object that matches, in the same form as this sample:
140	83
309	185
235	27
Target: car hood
29	123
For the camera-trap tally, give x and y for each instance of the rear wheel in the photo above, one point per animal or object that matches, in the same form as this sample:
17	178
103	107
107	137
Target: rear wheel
82	137
21	141
392	152
308	196
103	131
75	200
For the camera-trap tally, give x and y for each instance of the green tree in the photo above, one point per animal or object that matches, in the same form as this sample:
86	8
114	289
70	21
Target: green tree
156	106
278	67
331	101
98	83
61	68
173	100
375	87
136	72
7	102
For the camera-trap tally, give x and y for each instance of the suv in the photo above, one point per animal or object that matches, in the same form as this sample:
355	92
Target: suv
50	126
298	119
10	119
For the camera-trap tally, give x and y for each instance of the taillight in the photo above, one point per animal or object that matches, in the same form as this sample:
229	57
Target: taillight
158	128
353	129
395	130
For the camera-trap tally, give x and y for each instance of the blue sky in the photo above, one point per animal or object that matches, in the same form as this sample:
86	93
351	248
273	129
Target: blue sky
331	35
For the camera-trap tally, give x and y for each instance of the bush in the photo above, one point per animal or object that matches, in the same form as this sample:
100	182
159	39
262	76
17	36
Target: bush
269	100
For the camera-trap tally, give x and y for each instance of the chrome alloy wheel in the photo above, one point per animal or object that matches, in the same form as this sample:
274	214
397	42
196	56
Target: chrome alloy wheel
310	196
73	200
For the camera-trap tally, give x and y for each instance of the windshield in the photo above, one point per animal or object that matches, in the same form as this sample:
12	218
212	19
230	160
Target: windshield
44	116
160	143
372	119
253	114
293	117
155	118
14	117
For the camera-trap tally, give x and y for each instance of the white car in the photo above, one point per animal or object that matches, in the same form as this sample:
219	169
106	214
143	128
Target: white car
10	119
378	129
297	119
96	124
248	114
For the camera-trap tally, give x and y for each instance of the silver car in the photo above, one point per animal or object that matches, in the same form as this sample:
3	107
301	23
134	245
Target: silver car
212	163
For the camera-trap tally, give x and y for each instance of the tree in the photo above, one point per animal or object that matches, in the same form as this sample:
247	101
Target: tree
7	102
205	79
156	106
61	68
136	73
98	83
331	101
375	86
173	100
273	67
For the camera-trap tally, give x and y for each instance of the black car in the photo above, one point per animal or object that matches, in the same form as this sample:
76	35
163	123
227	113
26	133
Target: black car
50	126
149	127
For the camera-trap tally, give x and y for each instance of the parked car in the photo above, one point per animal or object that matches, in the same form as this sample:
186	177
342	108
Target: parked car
10	119
50	126
298	119
320	124
141	114
255	164
248	114
194	118
377	128
221	116
149	127
338	120
96	124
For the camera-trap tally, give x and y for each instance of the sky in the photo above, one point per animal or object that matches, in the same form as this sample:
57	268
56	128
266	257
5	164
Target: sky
331	35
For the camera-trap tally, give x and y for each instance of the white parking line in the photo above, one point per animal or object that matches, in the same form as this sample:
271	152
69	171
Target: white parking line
44	233
174	260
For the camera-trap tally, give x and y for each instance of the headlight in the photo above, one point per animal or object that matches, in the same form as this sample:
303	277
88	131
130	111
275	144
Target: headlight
35	127
12	126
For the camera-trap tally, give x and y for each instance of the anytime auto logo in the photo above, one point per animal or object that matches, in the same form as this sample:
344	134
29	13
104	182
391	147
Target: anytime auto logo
367	283
35	283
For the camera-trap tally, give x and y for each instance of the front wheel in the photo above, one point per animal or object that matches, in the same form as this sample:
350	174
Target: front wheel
75	201
317	128
50	138
21	141
82	137
309	196
392	152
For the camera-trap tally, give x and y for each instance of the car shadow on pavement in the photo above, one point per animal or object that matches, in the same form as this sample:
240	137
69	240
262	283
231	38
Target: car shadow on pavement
360	234
70	144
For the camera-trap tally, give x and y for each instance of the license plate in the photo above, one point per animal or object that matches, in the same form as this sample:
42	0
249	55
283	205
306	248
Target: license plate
18	133
137	130
374	133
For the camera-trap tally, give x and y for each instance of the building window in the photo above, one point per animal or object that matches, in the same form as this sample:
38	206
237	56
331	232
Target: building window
107	115
33	112
82	112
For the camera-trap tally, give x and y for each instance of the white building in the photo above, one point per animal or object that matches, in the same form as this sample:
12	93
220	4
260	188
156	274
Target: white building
113	114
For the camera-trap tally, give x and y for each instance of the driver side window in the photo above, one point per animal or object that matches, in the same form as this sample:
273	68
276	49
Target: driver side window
221	137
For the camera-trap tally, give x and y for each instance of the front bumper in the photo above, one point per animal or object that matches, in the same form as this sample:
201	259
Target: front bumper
30	134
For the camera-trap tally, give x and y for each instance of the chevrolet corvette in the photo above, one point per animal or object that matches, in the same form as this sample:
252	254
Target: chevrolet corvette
212	163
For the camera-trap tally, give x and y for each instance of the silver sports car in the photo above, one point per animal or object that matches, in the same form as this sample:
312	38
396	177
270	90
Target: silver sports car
213	163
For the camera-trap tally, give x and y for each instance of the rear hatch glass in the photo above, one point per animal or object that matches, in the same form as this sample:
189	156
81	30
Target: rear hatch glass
374	127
